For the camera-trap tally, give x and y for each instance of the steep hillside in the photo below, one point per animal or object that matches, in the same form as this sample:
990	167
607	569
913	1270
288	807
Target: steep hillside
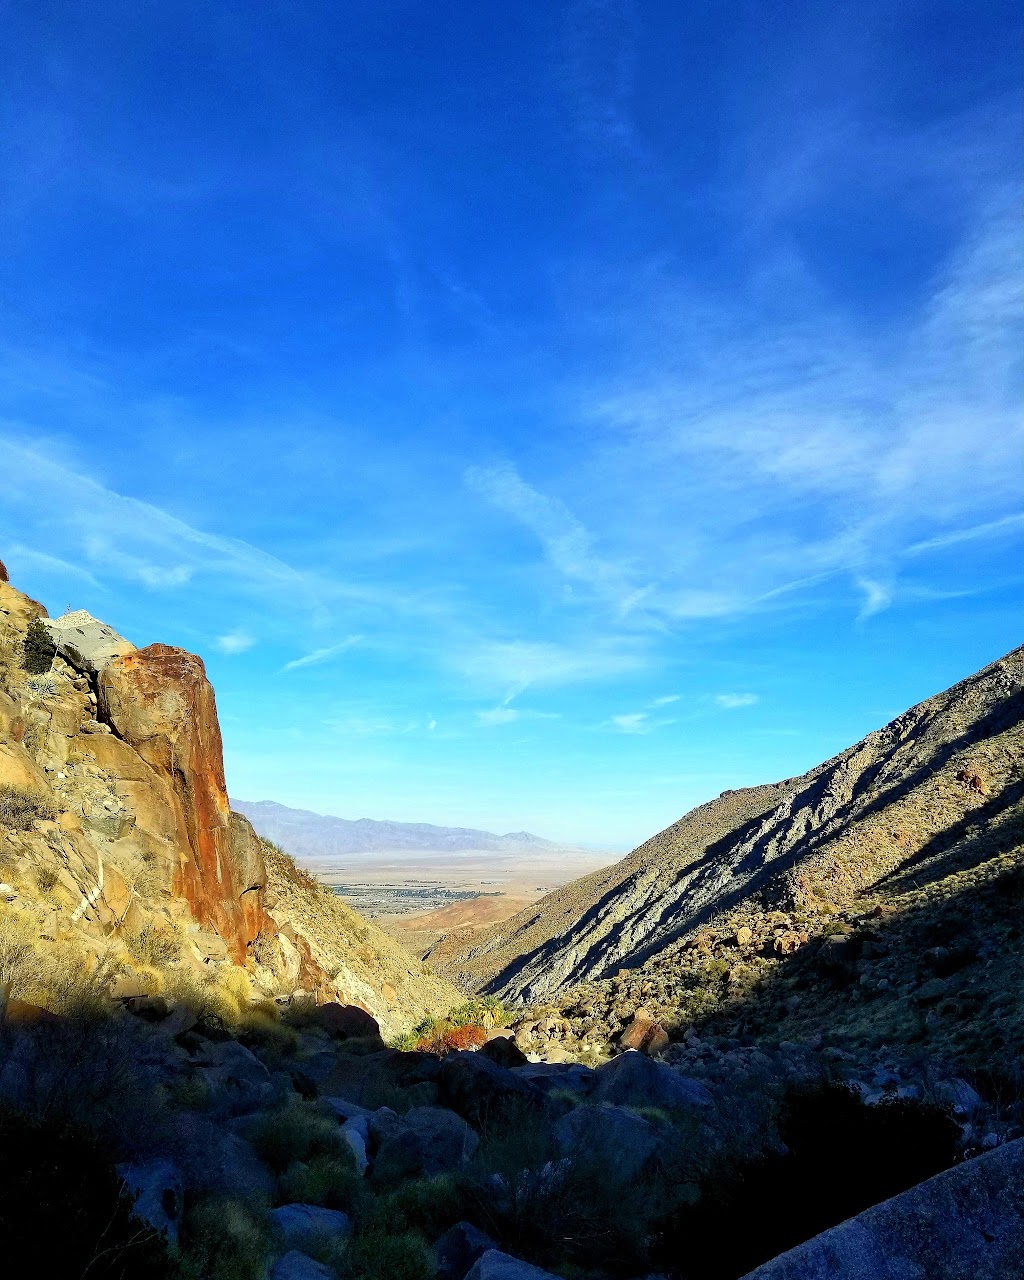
318	835
118	850
933	796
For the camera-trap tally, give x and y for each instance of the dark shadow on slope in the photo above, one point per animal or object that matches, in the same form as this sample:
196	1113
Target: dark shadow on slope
63	1206
953	850
842	1157
954	968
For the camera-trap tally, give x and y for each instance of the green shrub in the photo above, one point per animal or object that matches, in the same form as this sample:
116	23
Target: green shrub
328	1180
11	673
427	1205
440	1033
19	807
381	1255
297	1132
263	1030
153	945
224	1240
37	649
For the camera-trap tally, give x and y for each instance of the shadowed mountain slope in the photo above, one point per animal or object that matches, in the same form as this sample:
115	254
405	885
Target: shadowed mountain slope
938	780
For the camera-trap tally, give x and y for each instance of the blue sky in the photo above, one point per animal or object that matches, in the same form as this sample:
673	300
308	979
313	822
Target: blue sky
538	416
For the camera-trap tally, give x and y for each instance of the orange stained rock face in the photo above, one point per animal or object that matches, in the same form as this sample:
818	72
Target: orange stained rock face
160	702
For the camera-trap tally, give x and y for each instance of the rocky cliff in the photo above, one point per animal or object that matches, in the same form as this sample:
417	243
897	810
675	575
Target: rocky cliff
928	807
118	846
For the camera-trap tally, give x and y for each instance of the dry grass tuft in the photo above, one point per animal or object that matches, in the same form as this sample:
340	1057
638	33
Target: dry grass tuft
20	808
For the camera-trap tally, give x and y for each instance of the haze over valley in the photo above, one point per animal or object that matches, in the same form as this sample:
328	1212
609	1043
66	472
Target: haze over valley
404	870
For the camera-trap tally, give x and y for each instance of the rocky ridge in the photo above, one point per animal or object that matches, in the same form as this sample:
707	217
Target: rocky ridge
938	788
119	850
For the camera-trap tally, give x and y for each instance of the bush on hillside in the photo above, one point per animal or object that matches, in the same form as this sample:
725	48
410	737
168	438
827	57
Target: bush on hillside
463	1028
37	649
297	1132
19	807
11	671
383	1255
225	1240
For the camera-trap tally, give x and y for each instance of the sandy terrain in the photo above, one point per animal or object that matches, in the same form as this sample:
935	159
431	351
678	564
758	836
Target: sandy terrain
419	896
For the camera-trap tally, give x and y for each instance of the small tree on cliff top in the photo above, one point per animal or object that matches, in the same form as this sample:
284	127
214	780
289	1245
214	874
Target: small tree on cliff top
38	649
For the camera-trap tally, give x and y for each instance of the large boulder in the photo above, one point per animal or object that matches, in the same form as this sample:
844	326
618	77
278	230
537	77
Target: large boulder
447	1140
238	1081
298	1224
494	1265
299	1266
425	1141
504	1051
85	642
355	1135
216	1161
458	1249
18	769
622	1143
565	1077
634	1080
966	1222
157	1192
347	1022
475	1087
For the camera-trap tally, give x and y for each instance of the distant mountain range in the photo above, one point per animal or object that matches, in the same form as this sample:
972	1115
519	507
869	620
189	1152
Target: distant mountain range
317	835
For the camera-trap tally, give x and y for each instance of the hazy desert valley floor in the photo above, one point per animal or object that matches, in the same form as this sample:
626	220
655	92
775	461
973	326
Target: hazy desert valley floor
781	1038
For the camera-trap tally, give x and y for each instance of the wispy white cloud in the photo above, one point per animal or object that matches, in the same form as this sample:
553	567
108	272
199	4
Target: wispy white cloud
499	715
733	701
234	642
510	715
877	596
596	71
29	556
357	726
138	541
514	666
567	544
632	722
322	655
1003	527
775	453
666	700
642	721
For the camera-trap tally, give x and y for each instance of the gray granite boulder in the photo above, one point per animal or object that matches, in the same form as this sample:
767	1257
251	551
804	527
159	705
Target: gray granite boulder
156	1189
298	1223
475	1087
85	642
494	1265
299	1266
634	1080
621	1142
964	1224
448	1141
458	1249
237	1080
